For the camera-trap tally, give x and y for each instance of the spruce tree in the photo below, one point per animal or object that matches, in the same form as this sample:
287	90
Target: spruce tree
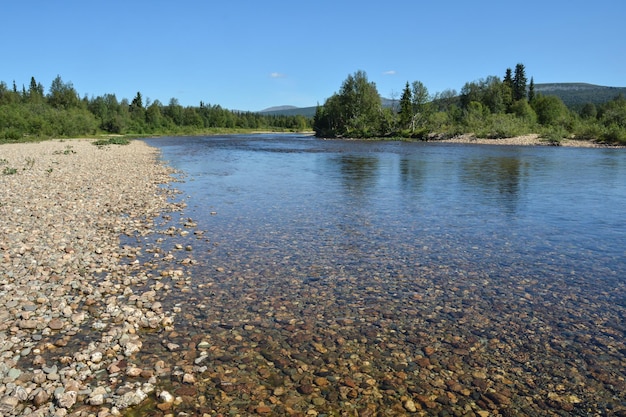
531	90
508	78
519	83
406	107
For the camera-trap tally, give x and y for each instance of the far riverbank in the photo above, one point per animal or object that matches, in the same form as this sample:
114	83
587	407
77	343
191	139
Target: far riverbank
526	140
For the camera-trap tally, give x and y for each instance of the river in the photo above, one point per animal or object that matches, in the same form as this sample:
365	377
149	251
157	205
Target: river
365	277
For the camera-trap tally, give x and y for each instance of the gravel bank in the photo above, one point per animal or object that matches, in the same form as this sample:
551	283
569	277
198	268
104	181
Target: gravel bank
75	301
526	140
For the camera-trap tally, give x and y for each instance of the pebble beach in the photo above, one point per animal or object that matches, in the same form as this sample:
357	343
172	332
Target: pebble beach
526	140
73	307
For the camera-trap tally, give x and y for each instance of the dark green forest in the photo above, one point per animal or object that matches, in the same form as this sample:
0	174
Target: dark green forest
31	114
492	107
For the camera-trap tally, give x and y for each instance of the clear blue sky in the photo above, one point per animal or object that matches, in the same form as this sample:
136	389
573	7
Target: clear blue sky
250	55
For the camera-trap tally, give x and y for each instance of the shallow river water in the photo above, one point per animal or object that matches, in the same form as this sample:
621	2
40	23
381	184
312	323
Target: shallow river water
389	278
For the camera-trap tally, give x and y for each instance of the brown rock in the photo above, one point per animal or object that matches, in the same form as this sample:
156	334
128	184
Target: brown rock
498	398
164	406
305	389
349	382
263	409
28	324
480	383
55	324
41	397
423	362
321	382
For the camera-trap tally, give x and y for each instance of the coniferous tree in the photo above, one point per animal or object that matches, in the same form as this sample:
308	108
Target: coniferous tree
137	102
33	85
508	78
406	107
519	82
531	90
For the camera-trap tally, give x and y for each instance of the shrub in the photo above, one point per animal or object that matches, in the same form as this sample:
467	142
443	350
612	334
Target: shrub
614	134
12	134
111	141
588	130
504	126
554	135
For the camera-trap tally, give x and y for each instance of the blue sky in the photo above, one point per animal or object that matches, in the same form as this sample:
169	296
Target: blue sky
250	55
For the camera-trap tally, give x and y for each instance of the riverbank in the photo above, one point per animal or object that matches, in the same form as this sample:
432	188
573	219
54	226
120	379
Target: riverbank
76	301
526	140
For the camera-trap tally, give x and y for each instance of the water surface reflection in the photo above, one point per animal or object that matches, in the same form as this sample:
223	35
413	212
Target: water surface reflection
357	277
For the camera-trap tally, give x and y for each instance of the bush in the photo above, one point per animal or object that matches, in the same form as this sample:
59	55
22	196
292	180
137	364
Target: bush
111	141
550	110
614	134
589	130
554	135
12	134
504	126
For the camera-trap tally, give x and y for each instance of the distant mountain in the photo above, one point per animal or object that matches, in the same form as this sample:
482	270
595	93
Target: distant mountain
575	95
277	108
308	111
289	111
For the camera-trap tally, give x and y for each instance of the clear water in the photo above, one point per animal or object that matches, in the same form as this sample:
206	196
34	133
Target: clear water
367	245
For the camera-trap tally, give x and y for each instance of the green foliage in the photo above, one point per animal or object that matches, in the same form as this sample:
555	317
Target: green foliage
523	110
490	92
550	110
406	108
588	129
489	107
114	140
589	111
519	82
504	125
6	170
531	90
30	114
62	95
614	134
554	135
604	123
414	107
67	151
353	112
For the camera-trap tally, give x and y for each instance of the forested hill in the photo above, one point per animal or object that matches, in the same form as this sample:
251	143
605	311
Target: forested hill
576	95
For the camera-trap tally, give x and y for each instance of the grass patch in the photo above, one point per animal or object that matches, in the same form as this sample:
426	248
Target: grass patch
9	171
67	151
116	140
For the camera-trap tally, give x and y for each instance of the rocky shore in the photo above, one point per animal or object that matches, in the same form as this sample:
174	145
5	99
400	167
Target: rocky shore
75	301
526	140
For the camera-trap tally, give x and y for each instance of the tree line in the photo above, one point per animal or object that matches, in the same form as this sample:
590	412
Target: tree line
30	113
492	107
